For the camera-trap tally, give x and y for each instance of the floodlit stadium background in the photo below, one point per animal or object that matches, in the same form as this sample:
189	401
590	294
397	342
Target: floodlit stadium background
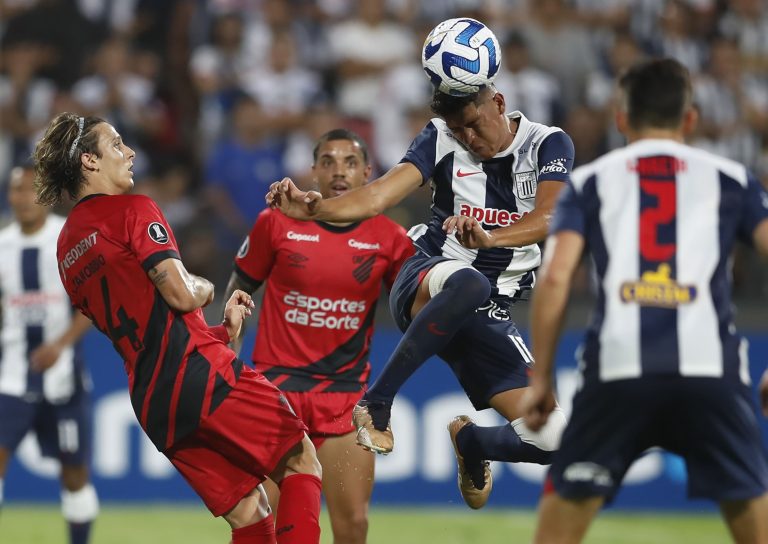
222	97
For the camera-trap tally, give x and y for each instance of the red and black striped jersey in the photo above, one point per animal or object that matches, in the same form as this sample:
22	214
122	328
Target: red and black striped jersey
179	369
322	286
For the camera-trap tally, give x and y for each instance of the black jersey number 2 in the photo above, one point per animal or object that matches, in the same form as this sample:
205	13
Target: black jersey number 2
126	325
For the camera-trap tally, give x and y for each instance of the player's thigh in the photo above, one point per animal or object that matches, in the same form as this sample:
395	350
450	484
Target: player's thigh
348	474
563	521
18	417
747	520
490	360
410	292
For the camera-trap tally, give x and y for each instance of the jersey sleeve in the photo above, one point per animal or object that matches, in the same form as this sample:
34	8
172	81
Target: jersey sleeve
569	215
149	235
423	151
555	157
755	209
402	249
255	258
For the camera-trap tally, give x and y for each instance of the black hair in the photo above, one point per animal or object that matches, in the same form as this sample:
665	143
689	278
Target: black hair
341	134
446	105
57	156
657	93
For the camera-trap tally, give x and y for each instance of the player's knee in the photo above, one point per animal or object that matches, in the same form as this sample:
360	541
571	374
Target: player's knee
306	461
473	286
548	437
350	529
80	506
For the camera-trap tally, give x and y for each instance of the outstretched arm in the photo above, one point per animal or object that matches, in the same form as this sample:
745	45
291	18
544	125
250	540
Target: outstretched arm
237	282
44	357
367	201
529	229
182	291
550	298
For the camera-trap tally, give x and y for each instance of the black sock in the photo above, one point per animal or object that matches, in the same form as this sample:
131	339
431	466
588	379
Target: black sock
500	443
79	532
463	292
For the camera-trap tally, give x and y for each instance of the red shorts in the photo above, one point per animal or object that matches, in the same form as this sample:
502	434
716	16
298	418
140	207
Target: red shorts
233	450
325	414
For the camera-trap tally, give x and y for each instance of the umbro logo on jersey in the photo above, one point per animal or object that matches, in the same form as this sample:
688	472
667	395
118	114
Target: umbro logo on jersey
158	233
460	174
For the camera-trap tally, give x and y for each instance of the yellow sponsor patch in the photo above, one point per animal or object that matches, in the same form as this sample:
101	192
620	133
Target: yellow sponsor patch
657	288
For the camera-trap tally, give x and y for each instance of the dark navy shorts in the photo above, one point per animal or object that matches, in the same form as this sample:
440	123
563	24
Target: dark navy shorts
487	355
711	423
63	431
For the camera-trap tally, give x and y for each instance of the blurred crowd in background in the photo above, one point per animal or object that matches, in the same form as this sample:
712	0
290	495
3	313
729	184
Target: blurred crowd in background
222	97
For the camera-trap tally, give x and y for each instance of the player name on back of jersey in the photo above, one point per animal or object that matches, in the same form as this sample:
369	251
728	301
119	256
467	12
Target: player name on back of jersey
73	255
328	313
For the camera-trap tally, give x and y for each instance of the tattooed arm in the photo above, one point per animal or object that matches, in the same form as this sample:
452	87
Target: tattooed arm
182	291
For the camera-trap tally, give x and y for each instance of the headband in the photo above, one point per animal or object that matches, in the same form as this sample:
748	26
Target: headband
80	123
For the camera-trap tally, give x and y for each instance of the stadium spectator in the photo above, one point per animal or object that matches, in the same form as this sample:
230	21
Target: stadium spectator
733	106
364	48
453	301
223	427
239	167
559	44
44	386
662	364
530	89
319	357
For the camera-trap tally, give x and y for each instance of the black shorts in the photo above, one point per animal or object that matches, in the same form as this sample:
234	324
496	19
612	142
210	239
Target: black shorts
487	354
711	423
63	431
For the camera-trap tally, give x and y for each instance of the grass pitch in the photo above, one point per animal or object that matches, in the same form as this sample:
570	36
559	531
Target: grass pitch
168	524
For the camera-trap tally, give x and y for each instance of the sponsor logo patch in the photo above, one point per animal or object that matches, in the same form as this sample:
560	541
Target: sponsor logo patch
657	288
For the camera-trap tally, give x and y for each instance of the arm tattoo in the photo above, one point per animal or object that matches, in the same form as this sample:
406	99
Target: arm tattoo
157	277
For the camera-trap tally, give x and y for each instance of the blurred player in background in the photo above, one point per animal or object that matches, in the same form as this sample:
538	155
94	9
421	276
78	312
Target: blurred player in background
488	169
662	363
322	284
224	427
43	383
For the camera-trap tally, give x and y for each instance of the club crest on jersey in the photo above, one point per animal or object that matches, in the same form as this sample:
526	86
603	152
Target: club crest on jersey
657	288
525	184
243	251
158	233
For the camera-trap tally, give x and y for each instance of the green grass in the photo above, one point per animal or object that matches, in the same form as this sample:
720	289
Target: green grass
164	524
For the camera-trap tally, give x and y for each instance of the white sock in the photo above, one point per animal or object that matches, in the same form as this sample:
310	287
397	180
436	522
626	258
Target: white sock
80	506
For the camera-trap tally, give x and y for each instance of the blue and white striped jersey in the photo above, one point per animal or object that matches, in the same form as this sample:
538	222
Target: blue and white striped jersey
36	309
497	192
660	220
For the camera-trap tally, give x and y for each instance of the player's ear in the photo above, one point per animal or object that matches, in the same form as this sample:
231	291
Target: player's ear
89	161
501	104
622	120
690	120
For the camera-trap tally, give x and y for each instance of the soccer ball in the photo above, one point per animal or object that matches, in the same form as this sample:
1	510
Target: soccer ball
461	56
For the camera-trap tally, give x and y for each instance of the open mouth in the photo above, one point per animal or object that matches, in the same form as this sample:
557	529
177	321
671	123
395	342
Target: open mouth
339	187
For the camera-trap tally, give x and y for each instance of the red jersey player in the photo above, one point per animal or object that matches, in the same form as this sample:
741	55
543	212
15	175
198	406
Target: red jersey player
322	284
223	426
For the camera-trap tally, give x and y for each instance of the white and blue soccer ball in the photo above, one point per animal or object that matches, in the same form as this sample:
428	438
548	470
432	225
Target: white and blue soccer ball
461	56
